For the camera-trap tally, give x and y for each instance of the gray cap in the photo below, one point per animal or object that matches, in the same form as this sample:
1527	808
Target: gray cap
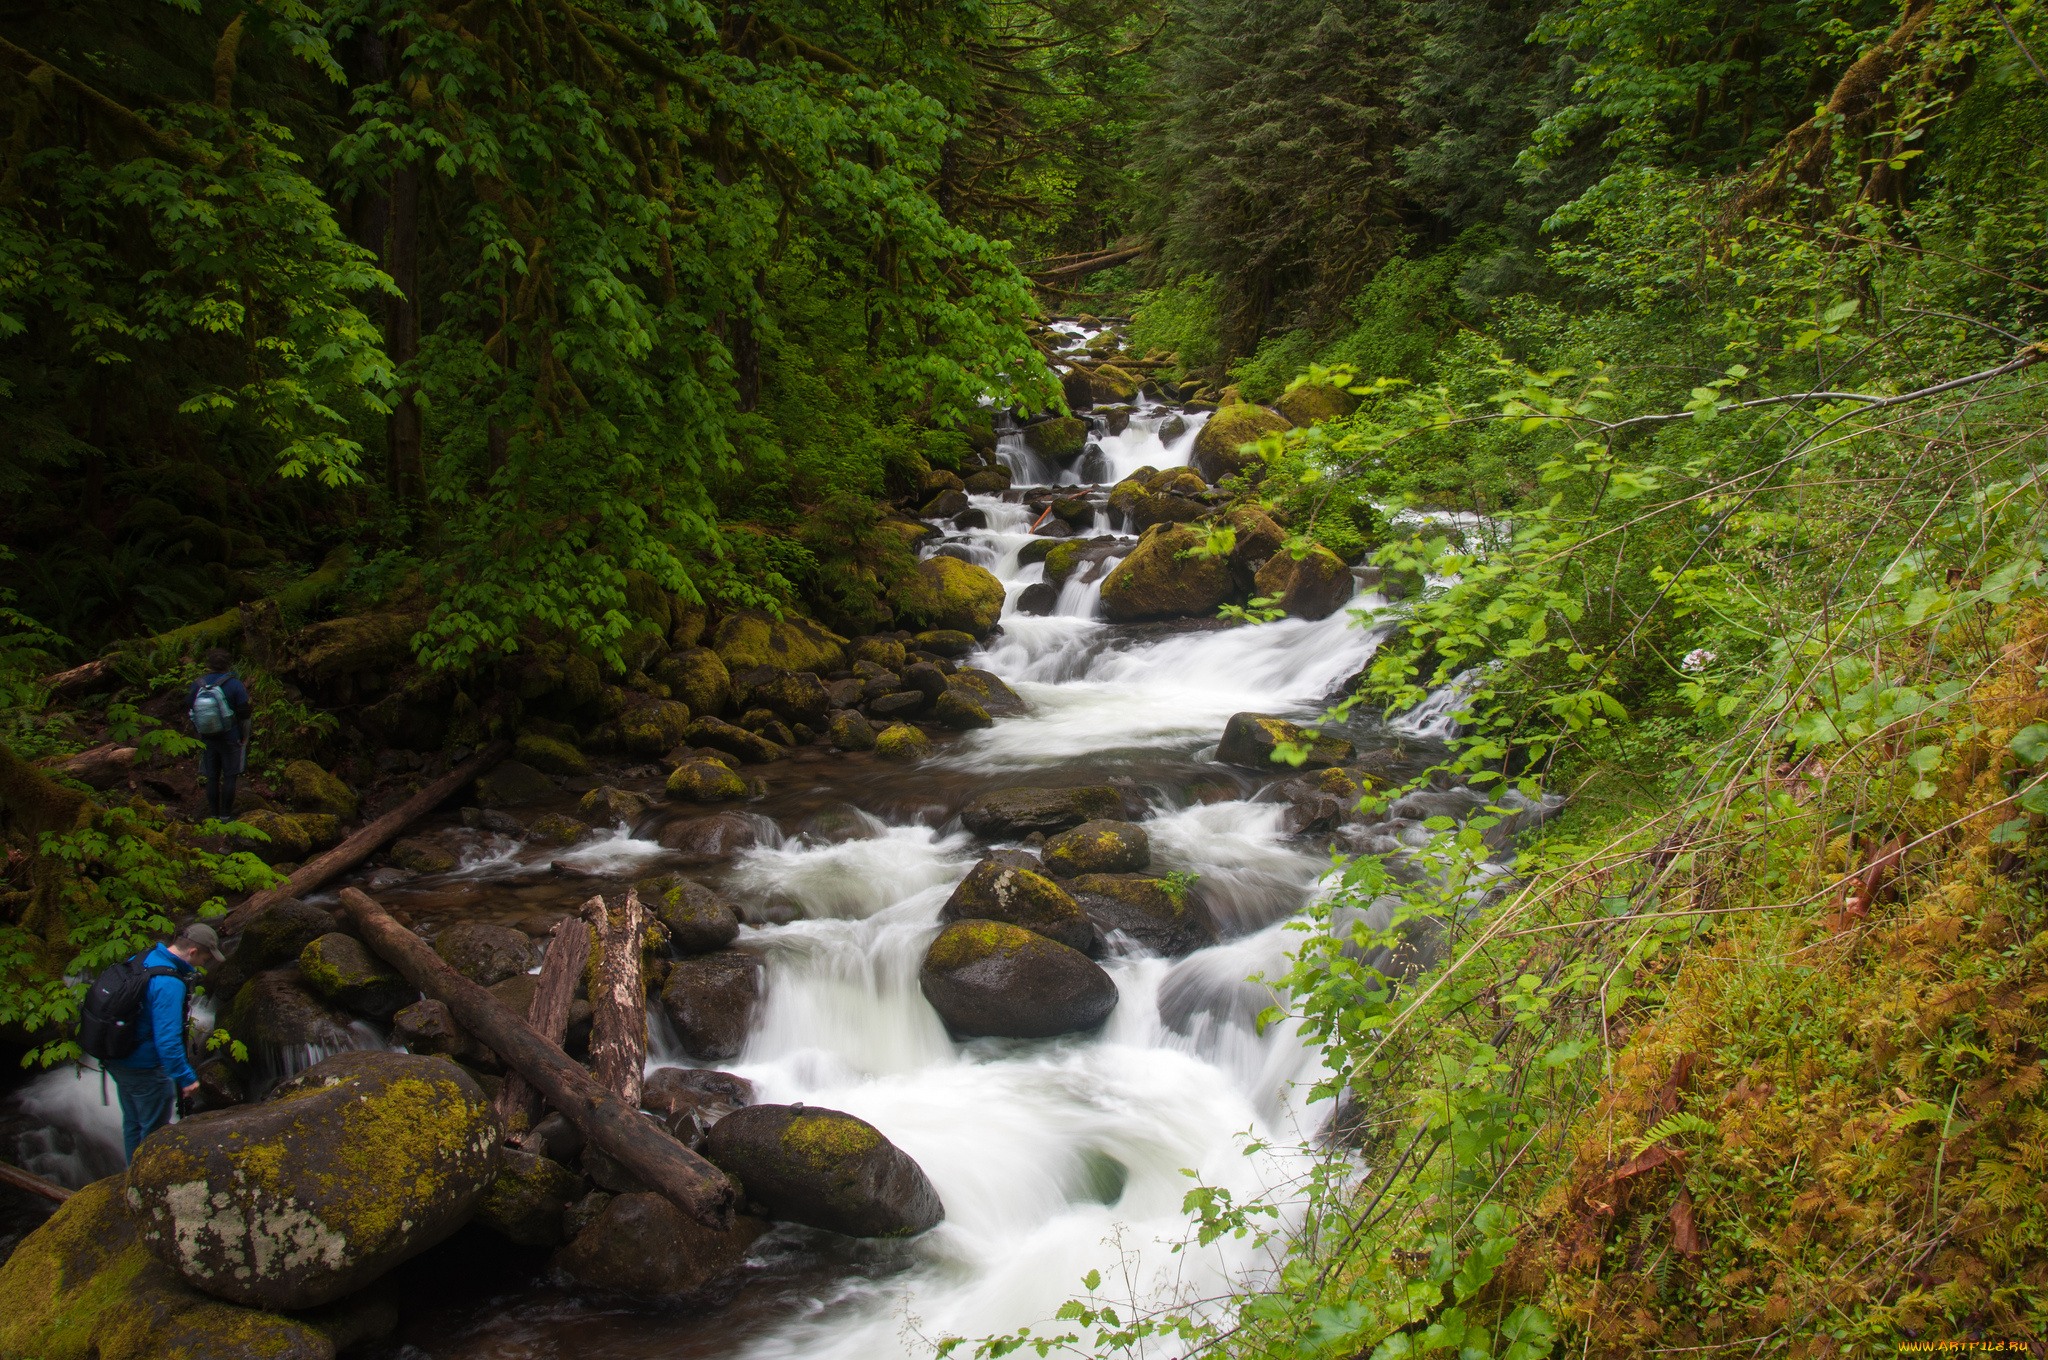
205	937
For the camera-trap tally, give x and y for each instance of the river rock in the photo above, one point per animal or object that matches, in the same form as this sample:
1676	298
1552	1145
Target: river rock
882	651
484	953
642	1246
283	840
312	789
428	1027
690	1100
710	1000
1313	403
959	710
526	1202
902	743
1159	507
1058	440
276	1013
550	755
748	638
993	891
1258	537
945	505
1035	551
733	739
1038	599
277	934
1080	393
607	806
421	856
989	482
1216	453
709	840
1250	739
698	919
1011	814
358	1163
555	828
698	678
1157	582
849	731
510	783
938	479
1147	911
987	691
824	1169
1098	847
1313	588
1172	428
84	1287
342	969
652	728
950	594
705	781
946	642
795	697
996	979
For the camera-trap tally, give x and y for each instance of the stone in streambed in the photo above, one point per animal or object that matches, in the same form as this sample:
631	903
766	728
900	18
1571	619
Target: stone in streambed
484	953
277	934
358	1163
989	482
825	1169
1157	582
650	729
550	755
1258	537
850	731
1038	600
690	1100
1145	910
342	969
1098	847
897	704
1059	439
698	678
1250	739
902	743
949	594
795	697
1313	588
721	735
959	711
945	642
708	840
881	651
1009	814
512	782
642	1246
1217	455
993	891
428	1027
748	638
987	691
553	828
698	919
710	1000
607	806
990	978
945	505
526	1202
275	1011
705	781
1035	551
421	856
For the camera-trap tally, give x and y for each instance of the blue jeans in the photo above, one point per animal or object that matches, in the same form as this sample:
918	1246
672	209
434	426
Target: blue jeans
146	1098
219	764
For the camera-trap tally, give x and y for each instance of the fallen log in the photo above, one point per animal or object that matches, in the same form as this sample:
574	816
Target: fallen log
35	1185
102	767
95	674
618	1031
1108	259
519	1104
366	842
635	1140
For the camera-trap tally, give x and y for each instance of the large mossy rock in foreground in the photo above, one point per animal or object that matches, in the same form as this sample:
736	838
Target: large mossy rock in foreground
1006	813
1216	453
748	638
951	595
84	1287
1157	582
1251	738
1100	847
642	1246
358	1163
825	1169
990	978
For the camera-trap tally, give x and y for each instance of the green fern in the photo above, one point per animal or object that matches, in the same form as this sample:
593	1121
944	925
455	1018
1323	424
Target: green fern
1671	1128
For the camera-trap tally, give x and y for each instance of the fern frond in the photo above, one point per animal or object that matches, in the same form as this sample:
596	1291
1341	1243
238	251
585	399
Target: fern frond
1671	1127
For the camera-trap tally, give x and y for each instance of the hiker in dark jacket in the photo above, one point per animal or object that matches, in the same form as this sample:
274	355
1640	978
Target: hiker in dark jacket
226	752
152	1076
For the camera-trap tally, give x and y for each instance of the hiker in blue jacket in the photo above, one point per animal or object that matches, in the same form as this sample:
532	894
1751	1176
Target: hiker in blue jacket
151	1077
228	749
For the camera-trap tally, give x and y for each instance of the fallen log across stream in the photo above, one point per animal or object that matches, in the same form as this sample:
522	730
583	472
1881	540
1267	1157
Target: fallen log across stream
635	1140
548	1014
370	839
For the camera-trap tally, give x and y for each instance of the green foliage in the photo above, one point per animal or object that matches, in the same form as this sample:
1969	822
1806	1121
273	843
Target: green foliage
1179	318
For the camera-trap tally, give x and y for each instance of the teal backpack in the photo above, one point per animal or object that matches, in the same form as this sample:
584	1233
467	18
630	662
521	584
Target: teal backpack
212	715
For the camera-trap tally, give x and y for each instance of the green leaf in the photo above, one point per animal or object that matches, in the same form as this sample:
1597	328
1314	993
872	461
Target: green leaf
2030	743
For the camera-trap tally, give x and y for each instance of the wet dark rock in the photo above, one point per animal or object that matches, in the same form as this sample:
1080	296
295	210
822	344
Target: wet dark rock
373	1158
1038	599
698	919
342	969
849	731
994	697
277	934
974	517
795	697
276	1012
556	1138
825	1169
947	642
427	1027
709	840
721	735
925	678
1022	897
553	828
1146	911
690	1100
421	856
1080	393
996	979
1035	551
901	704
706	781
1216	454
1094	469
1006	814
1313	588
1098	847
989	481
945	505
511	783
1249	739
527	1200
494	821
607	806
1172	428
1156	581
710	999
843	693
1053	527
649	729
484	953
961	711
902	743
642	1246
220	1087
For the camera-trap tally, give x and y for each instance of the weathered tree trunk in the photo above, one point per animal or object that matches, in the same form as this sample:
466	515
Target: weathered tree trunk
618	1032
35	1185
365	843
519	1104
633	1138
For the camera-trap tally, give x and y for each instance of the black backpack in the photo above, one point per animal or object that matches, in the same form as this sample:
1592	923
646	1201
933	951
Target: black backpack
111	1023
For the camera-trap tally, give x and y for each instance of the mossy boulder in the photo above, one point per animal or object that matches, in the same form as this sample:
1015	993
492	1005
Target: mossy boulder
550	755
947	593
484	953
554	828
1109	384
428	1027
1010	814
641	1246
311	789
988	482
272	936
323	829
608	806
1313	588
356	1164
1061	561
1157	507
284	840
698	919
363	642
1313	403
993	891
902	743
1037	550
421	856
342	969
696	677
709	840
705	781
1099	847
653	729
526	1201
794	697
945	505
512	782
991	978
1250	739
960	710
276	1012
733	739
1059	439
988	692
849	731
1146	911
710	999
1216	454
748	638
887	652
83	1286
824	1169
1176	481
949	642
1258	537
1157	582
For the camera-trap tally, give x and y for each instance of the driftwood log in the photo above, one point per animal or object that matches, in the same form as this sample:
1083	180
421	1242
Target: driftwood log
618	1031
34	1184
634	1139
366	842
519	1104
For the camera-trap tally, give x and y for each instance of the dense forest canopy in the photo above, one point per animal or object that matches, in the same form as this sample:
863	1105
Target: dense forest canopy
1683	354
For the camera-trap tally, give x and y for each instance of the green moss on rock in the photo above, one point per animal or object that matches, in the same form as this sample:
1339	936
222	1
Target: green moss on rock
511	783
902	743
749	638
950	594
1059	438
653	729
342	969
550	755
1217	454
312	789
705	781
1312	403
1157	582
286	841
